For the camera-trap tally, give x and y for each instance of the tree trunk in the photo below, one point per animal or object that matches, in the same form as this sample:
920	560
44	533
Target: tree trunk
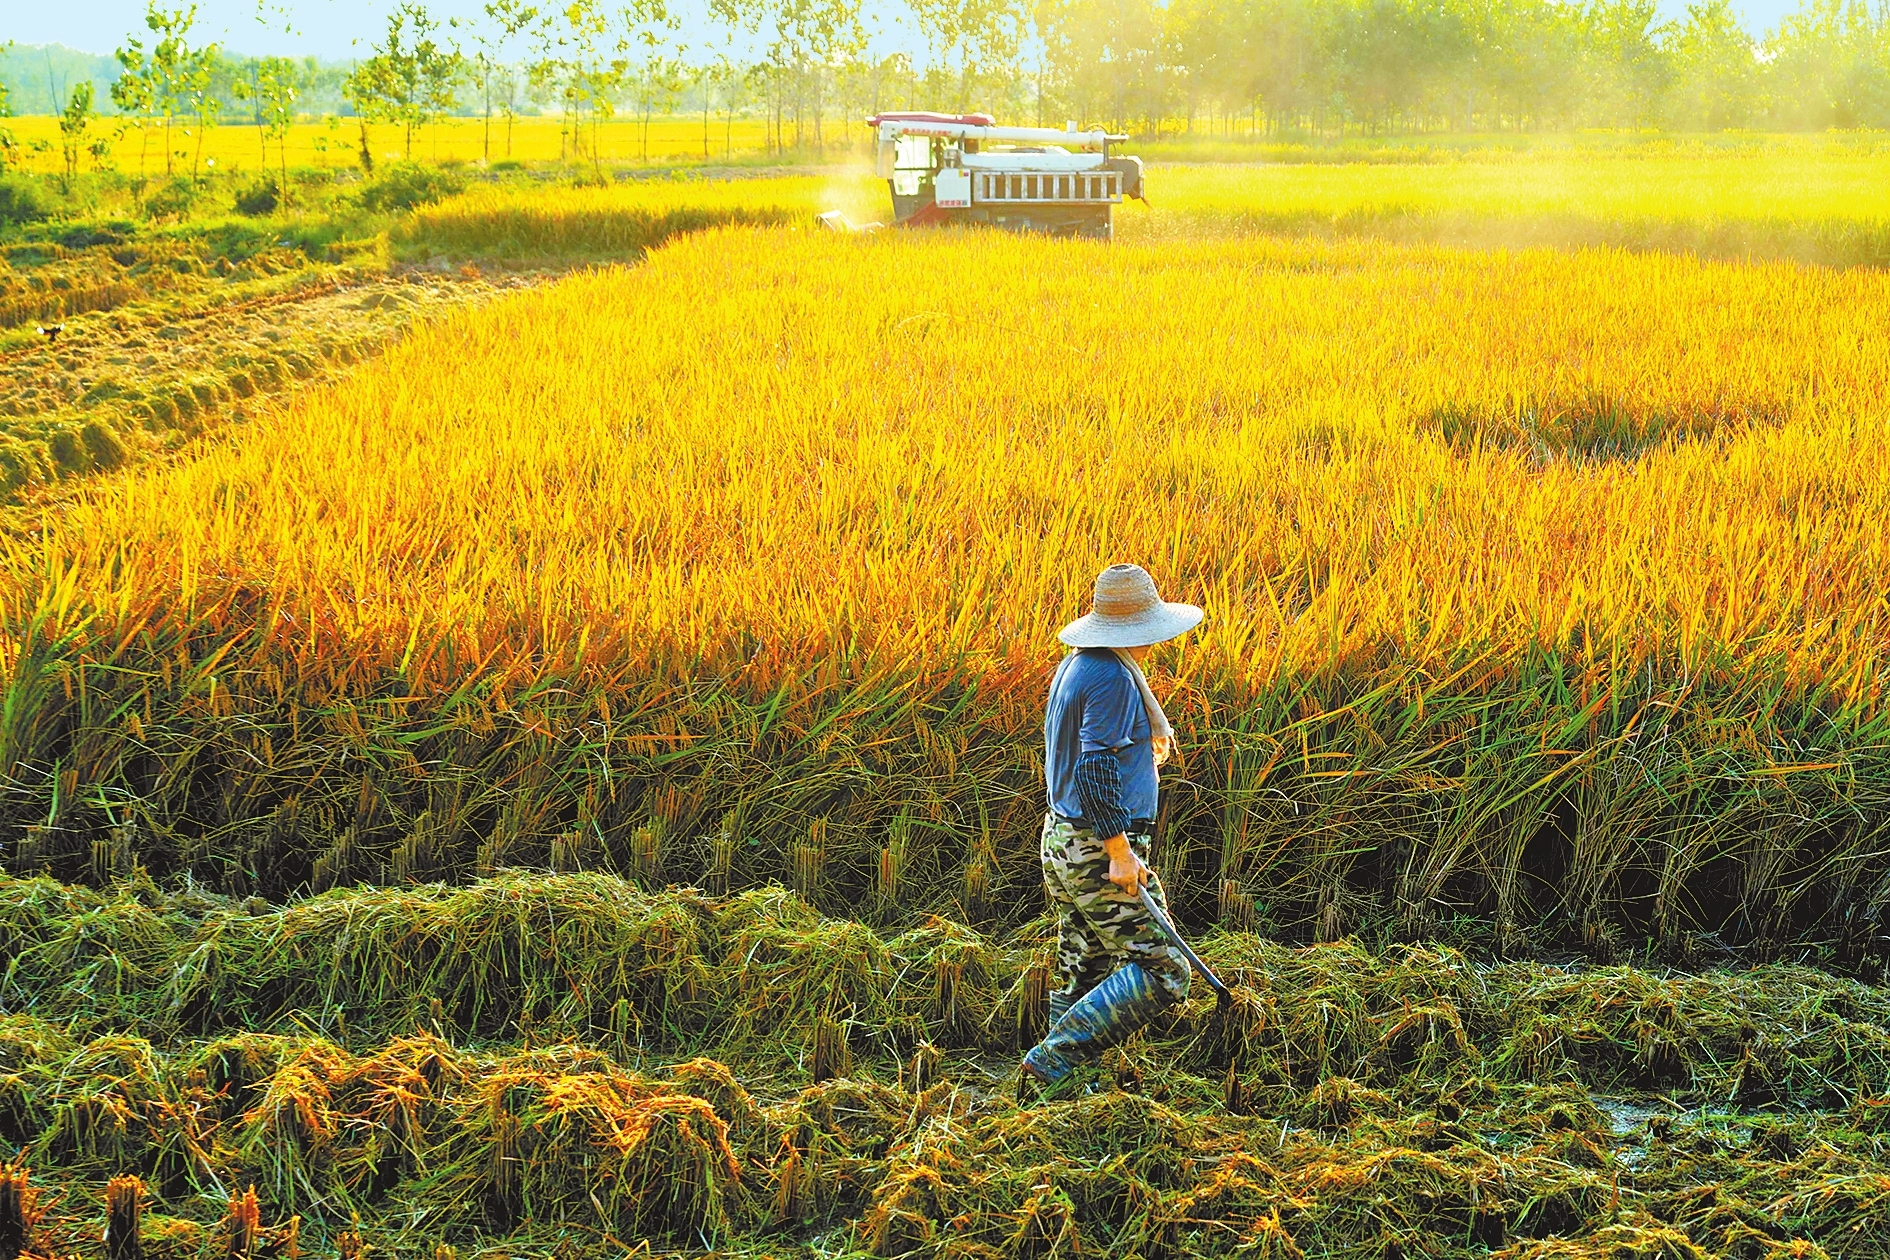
262	136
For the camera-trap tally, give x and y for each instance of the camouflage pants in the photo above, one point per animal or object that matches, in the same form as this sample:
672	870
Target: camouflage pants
1100	927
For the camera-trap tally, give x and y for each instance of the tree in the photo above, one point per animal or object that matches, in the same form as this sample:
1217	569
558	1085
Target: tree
513	19
73	121
1281	70
973	33
807	38
1103	57
409	80
584	64
1715	72
716	79
135	96
197	87
272	85
158	82
1528	63
598	67
660	83
1629	70
1829	66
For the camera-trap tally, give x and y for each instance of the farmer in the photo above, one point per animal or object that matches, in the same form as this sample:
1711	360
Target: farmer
1104	736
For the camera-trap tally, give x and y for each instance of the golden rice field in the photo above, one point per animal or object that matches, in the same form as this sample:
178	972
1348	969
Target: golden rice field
337	143
569	787
1543	585
1820	202
1825	205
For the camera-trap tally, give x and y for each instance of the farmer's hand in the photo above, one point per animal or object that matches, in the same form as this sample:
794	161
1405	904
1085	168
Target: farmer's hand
1126	871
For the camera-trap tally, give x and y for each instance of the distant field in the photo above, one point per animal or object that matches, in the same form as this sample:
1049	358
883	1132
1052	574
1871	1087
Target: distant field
237	146
1826	204
1810	198
1820	202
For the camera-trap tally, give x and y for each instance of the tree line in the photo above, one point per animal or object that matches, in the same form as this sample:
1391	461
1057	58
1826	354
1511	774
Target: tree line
1227	67
1422	65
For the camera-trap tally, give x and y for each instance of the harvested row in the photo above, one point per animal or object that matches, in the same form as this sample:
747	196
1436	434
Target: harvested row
145	382
412	1144
560	1150
762	980
417	1144
103	270
1544	591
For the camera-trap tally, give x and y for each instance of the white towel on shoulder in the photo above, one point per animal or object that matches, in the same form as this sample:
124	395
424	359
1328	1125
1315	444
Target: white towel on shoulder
1162	735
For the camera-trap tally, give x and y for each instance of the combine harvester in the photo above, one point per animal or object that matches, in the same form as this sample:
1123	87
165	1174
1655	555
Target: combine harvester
961	168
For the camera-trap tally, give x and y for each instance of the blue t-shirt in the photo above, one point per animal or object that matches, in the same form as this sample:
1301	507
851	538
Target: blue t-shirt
1094	704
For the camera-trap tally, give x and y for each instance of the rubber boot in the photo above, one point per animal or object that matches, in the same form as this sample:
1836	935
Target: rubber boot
1061	1000
1106	1016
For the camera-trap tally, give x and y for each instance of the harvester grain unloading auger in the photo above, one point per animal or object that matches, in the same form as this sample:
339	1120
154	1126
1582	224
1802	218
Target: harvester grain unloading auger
962	168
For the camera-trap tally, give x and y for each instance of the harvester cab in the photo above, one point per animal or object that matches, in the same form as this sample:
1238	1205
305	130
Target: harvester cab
961	168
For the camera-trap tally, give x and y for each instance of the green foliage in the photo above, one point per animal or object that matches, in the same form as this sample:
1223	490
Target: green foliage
259	199
73	121
173	199
21	200
406	185
1338	66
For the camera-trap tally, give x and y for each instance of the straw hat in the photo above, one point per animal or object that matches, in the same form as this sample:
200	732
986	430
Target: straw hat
1129	612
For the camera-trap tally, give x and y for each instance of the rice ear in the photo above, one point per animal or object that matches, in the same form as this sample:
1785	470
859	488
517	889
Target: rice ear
124	1214
20	1212
242	1225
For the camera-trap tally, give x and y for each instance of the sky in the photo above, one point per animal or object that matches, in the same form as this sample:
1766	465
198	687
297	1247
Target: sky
325	28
